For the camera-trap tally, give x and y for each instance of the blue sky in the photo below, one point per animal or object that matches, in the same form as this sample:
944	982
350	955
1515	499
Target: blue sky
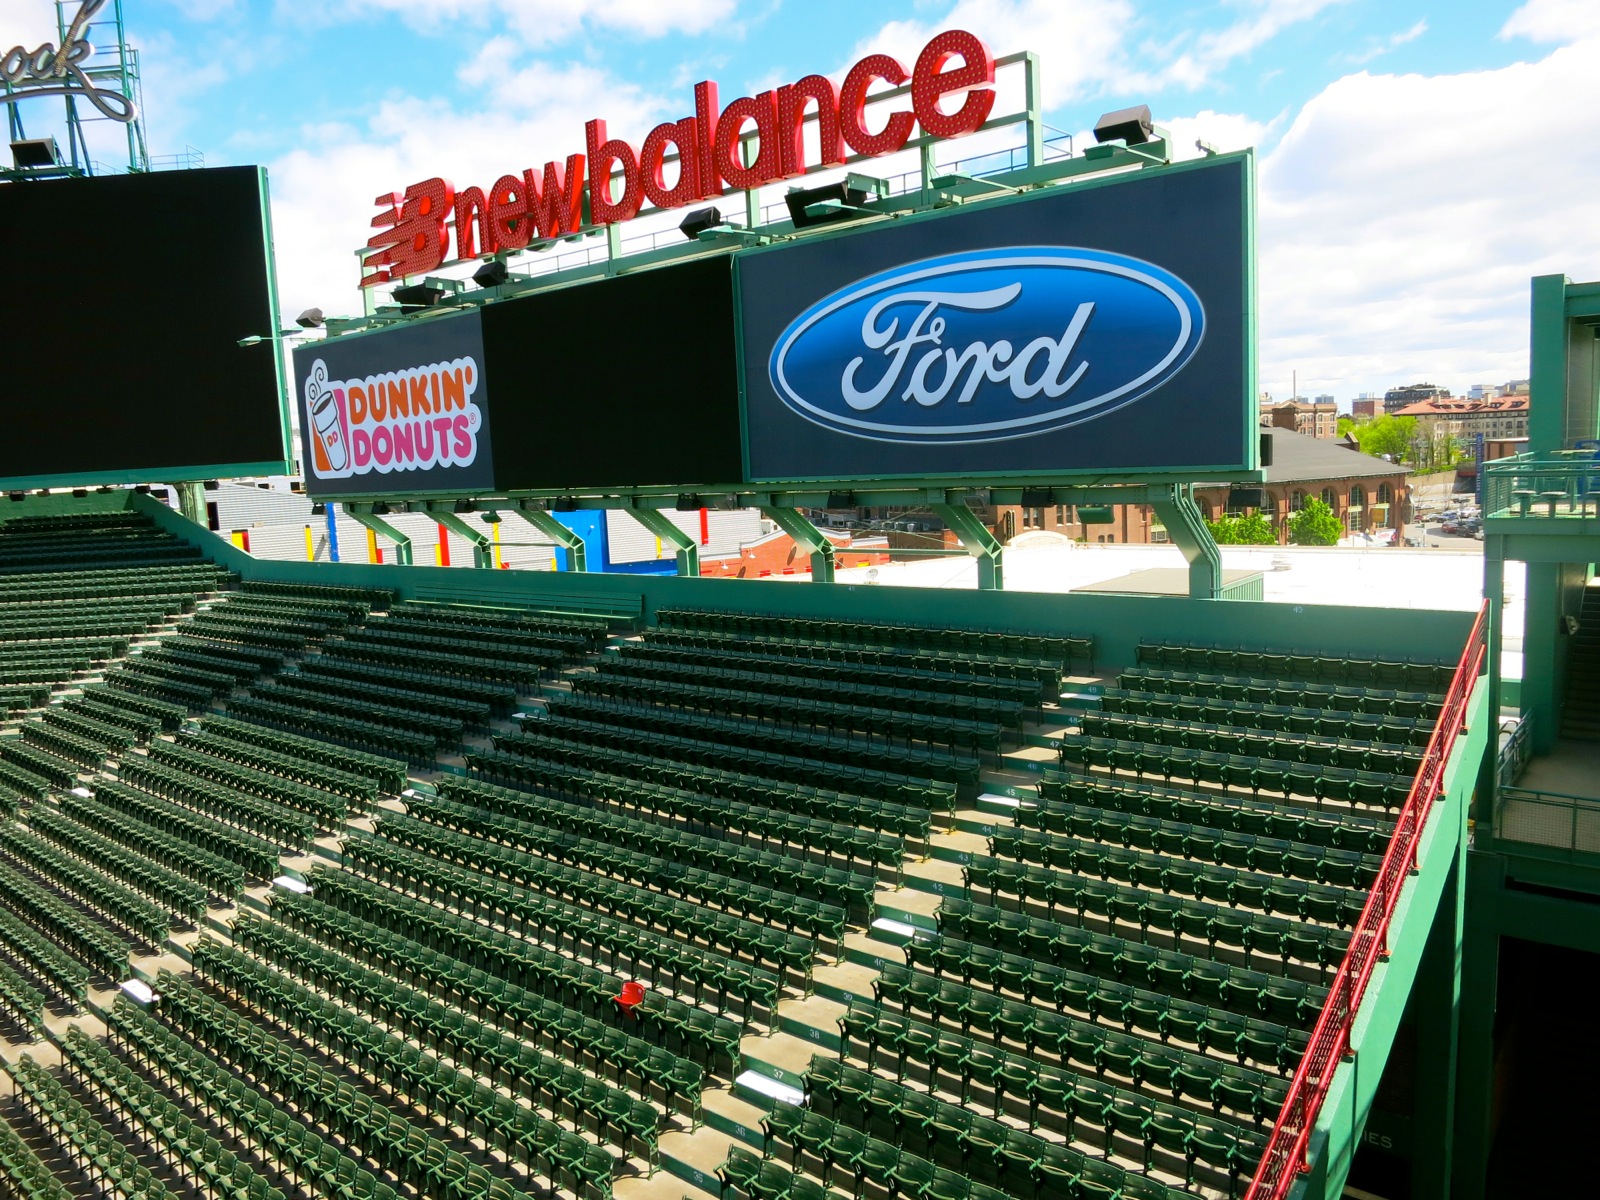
1388	252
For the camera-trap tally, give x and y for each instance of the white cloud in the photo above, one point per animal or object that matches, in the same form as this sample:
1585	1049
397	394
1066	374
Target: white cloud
1395	251
541	22
26	23
1554	21
1382	46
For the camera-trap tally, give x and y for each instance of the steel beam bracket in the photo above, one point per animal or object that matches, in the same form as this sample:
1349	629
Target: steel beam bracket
568	539
658	523
1187	529
482	545
362	514
980	543
807	536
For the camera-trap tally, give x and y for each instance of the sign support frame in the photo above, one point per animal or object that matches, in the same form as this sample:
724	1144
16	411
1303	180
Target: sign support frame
806	535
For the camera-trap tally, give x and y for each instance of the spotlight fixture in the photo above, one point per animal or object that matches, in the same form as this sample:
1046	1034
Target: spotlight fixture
143	489
700	220
380	508
564	504
1096	514
689	502
491	518
843	204
212	485
465	506
1038	497
19	496
841	500
161	494
1242	498
319	509
31	153
418	295
492	274
1128	125
80	493
312	318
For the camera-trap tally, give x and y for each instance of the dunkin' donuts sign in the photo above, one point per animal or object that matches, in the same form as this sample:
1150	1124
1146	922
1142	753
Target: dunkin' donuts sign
401	407
951	95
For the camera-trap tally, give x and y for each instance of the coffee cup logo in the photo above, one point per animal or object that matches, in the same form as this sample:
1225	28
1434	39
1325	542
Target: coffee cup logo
330	444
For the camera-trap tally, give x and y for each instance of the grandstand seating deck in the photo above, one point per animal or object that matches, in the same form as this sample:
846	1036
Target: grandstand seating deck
473	901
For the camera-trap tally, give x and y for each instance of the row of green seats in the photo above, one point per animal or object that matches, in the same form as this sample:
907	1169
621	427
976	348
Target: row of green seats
328	618
684	1029
362	735
505	659
1350	784
1173	918
723	818
92	707
267	819
730	733
307	693
264	633
1174	972
535	760
114	736
214	683
1067	884
941	677
215	856
170	889
399	662
1307	749
64	743
446	635
505	1024
1424	676
417	1158
1361	832
1278	718
594	629
327	808
105	698
110	1167
829	716
721	930
994	1152
656	958
301	624
21	1004
529	819
180	652
51	561
1082	1044
460	1097
1045	676
1112	1001
54	770
20	781
744	1175
170	692
373	598
272	1134
388	773
609	744
547	1082
914	702
1382	702
472	715
201	1157
62	976
264	660
93	885
24	1173
23	696
604	859
361	789
1074	825
1015	645
501	698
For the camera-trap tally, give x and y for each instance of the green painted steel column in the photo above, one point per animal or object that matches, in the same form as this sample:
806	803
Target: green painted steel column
482	545
980	543
1187	529
658	523
192	502
1494	591
1435	1005
1547	365
402	544
807	536
567	539
1480	969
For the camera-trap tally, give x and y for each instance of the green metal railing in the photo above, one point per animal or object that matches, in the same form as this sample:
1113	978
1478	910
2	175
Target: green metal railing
1570	824
1563	484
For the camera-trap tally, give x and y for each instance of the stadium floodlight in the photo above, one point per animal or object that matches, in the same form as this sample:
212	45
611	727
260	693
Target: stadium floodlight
564	504
1130	126
418	295
312	318
33	153
465	506
841	500
830	202
689	502
701	220
319	509
491	518
492	274
19	495
1038	497
212	485
380	508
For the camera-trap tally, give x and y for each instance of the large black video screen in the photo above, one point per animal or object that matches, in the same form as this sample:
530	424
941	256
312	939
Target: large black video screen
125	300
626	382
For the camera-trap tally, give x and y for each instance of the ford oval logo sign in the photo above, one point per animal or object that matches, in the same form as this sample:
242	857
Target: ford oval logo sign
987	345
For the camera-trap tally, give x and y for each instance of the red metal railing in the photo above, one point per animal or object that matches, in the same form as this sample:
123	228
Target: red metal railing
1285	1155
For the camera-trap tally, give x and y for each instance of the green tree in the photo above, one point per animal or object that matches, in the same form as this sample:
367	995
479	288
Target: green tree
1314	525
1387	436
1235	530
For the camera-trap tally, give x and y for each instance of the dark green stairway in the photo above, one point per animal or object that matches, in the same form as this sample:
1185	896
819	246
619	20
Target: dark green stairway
1580	716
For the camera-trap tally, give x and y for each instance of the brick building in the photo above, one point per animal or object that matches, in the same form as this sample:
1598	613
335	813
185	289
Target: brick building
1496	417
1313	418
1365	493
